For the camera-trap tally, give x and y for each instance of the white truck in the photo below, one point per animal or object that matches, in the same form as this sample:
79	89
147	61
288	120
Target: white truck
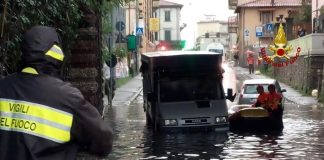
184	89
215	47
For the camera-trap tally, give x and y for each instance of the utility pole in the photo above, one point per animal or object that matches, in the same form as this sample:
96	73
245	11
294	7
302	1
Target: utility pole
136	50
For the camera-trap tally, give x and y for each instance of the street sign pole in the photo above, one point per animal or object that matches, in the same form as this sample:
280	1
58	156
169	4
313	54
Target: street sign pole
136	50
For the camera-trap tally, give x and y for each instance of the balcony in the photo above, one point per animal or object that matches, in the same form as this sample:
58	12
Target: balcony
312	45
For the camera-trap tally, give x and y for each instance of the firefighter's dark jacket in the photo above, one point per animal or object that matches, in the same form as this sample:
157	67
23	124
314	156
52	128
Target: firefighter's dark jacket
45	118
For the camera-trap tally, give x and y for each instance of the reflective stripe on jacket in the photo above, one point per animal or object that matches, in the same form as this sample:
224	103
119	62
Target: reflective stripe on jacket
44	118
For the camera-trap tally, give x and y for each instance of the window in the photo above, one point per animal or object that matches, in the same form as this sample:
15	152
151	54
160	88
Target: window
266	17
156	36
191	89
167	35
251	88
167	17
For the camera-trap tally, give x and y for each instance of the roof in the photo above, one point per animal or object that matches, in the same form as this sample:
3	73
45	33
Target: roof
178	53
259	81
267	3
164	4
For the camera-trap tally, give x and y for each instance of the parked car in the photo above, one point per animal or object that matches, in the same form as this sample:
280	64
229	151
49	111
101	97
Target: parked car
248	93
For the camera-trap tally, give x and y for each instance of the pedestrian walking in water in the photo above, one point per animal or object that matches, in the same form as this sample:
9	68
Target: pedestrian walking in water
250	61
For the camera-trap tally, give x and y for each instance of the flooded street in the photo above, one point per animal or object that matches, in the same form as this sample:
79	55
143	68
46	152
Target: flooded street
302	138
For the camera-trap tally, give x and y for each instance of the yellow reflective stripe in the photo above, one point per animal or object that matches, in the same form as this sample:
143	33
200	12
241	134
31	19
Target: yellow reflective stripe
29	70
36	110
34	128
56	53
57	47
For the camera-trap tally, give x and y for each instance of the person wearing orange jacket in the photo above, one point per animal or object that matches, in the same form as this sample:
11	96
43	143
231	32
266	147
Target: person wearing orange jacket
275	106
262	98
250	61
274	98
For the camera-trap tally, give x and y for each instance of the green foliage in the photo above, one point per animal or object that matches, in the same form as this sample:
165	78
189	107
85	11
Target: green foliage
322	10
22	15
105	54
306	14
16	16
321	98
122	81
120	52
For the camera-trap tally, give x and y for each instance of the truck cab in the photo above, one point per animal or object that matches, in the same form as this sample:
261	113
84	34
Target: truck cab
183	89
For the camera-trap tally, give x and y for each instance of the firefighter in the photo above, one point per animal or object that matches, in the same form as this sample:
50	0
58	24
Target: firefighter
262	99
275	106
41	116
274	98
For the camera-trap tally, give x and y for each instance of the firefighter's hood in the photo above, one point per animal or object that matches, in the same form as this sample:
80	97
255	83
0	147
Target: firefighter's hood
41	49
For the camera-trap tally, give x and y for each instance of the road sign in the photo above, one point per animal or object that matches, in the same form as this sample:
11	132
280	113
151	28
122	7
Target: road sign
269	27
154	24
258	31
120	38
246	33
139	31
120	25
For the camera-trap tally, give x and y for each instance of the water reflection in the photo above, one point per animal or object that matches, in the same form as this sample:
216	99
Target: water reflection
186	145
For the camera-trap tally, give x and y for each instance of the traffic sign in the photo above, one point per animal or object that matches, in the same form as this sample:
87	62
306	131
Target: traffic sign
269	27
139	31
246	33
258	31
120	26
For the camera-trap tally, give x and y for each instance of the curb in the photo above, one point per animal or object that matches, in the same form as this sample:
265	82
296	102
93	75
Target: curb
136	95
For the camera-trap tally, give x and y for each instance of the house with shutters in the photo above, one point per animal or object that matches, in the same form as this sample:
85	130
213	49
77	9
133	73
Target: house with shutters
169	17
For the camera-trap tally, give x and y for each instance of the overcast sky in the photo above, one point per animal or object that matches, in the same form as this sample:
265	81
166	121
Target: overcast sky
194	11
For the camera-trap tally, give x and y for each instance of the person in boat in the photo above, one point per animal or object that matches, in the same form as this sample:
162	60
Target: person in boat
262	99
274	98
275	107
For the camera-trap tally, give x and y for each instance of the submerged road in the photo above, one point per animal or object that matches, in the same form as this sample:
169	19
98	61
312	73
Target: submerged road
302	137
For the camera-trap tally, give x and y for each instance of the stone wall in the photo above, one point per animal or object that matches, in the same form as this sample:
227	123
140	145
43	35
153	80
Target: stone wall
303	74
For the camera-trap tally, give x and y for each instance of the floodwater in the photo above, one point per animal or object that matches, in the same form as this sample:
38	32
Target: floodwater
302	138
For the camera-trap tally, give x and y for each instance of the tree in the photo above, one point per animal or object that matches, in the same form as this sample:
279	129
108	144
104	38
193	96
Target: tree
306	14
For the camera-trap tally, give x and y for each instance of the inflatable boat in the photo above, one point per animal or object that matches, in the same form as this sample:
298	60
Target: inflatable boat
245	117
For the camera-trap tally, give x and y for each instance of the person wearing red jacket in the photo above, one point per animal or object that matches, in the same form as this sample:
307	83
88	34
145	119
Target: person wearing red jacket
262	98
41	116
250	61
275	106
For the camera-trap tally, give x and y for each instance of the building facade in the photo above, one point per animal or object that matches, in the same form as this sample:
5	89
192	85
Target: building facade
255	33
212	31
169	16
